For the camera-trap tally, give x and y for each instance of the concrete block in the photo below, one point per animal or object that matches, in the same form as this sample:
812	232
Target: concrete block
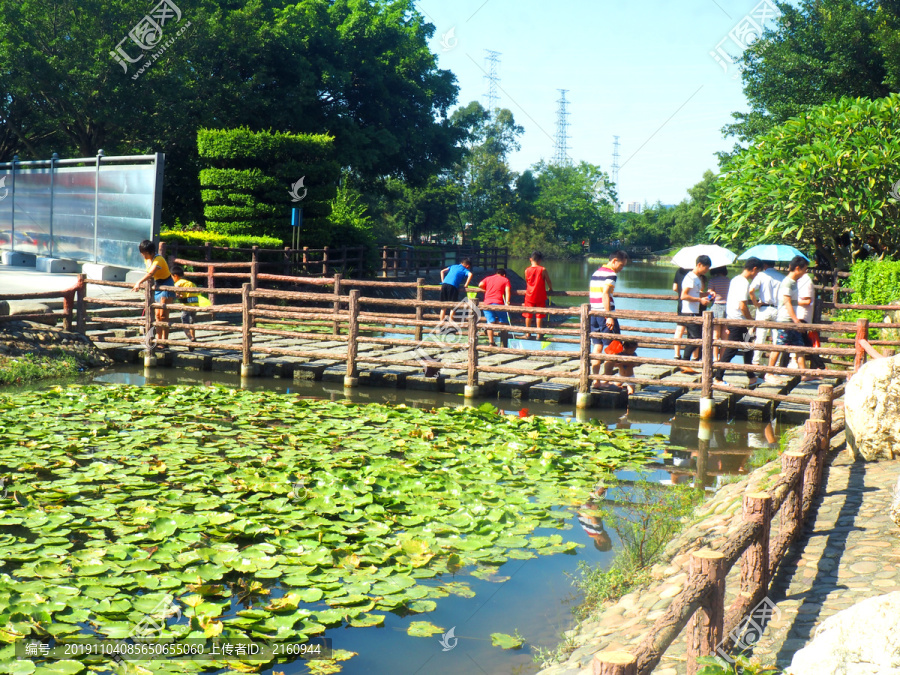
57	265
334	374
226	364
656	398
4	308
27	307
792	413
192	361
609	397
312	371
383	377
19	259
422	383
276	367
551	392
516	388
754	409
457	385
689	404
108	272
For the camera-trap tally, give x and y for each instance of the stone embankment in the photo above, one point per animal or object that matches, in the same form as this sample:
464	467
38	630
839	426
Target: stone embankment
18	338
624	624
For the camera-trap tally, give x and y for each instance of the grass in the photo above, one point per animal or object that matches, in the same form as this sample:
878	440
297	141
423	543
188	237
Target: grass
29	368
653	516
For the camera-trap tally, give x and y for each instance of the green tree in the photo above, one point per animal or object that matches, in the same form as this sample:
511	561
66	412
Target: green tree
815	177
577	199
423	213
485	181
691	217
820	50
361	71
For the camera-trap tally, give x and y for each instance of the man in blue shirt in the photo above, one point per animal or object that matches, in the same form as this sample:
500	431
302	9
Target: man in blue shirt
452	279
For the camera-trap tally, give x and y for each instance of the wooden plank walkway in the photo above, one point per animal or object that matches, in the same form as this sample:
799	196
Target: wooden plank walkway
670	396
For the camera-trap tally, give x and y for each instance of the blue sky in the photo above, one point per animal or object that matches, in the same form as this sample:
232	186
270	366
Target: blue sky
639	69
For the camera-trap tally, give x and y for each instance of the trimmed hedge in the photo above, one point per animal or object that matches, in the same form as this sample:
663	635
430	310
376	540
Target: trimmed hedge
235	241
232	146
247	187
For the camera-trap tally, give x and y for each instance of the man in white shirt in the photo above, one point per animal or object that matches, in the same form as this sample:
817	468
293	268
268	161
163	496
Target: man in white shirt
693	302
787	312
737	307
765	291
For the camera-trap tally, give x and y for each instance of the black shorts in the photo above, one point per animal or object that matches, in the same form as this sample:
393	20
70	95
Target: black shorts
694	330
449	293
598	325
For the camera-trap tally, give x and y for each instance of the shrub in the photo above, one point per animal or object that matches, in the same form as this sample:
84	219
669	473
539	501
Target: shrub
246	187
234	241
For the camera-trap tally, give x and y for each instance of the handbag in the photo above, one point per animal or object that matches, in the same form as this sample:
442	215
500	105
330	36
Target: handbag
614	347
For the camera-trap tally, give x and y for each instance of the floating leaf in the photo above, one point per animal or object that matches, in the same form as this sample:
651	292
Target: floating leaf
505	641
423	629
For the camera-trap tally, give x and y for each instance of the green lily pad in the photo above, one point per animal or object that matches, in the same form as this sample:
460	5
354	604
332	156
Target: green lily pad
505	641
423	629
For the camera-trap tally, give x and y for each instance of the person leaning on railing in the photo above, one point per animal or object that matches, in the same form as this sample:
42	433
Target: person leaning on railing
158	270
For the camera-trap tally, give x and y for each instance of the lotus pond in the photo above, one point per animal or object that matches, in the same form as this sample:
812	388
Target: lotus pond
242	514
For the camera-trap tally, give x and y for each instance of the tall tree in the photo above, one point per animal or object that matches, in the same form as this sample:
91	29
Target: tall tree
360	70
820	50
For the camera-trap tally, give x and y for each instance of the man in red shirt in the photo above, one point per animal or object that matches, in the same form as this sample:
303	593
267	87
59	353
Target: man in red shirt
497	291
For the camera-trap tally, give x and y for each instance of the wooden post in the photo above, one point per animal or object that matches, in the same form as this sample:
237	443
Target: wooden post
325	262
420	311
286	263
68	305
862	333
834	289
755	561
336	326
472	367
305	259
149	313
246	333
792	509
80	309
351	377
254	280
162	252
210	272
706	626
706	377
584	356
614	663
384	263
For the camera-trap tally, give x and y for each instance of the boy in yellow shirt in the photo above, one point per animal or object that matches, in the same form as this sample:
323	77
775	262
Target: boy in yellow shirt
187	298
164	293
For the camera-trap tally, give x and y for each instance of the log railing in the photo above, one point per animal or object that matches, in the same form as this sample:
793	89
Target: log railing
700	607
412	261
73	299
404	323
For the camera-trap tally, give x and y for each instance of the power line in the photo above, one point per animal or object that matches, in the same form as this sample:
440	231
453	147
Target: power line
561	158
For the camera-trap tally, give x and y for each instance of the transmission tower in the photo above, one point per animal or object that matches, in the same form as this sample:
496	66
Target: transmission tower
615	166
615	163
492	65
561	158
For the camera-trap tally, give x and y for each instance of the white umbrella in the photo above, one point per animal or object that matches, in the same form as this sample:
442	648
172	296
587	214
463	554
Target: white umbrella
687	257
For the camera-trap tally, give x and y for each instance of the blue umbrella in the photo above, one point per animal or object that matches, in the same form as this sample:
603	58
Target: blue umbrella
775	252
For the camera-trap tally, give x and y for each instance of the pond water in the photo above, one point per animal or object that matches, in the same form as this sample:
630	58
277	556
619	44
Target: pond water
533	598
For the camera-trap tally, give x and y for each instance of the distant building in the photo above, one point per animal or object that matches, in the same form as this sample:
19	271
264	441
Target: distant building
633	207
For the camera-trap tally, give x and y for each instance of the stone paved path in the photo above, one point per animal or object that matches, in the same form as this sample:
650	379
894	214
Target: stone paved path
851	552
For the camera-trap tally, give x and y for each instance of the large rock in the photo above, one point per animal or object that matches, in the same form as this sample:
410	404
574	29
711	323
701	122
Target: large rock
862	640
872	405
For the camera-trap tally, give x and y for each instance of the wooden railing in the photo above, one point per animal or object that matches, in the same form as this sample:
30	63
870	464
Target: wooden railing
337	304
711	626
73	298
412	261
287	261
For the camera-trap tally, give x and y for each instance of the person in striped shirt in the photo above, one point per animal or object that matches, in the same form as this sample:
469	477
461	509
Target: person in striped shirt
603	283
